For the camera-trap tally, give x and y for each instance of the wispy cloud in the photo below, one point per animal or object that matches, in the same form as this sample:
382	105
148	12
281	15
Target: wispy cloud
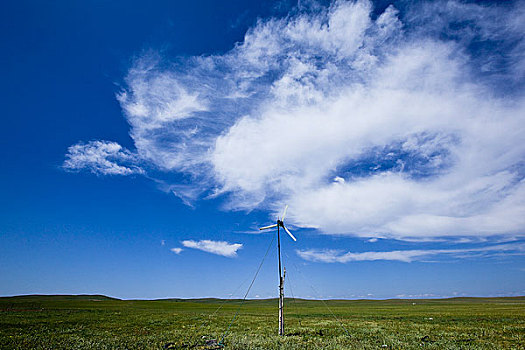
102	158
177	250
215	247
332	256
405	125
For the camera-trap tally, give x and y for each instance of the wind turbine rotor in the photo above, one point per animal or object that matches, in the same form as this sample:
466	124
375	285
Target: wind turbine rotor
284	212
289	233
280	222
267	227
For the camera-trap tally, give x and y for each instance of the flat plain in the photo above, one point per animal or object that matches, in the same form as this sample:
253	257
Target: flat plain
99	322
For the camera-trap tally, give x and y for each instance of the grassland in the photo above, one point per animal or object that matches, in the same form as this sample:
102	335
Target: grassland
98	322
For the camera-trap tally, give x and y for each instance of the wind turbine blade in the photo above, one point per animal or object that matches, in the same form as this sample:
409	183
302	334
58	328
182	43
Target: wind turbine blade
267	227
287	231
284	212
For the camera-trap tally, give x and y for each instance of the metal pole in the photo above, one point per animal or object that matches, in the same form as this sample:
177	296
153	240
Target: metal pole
281	287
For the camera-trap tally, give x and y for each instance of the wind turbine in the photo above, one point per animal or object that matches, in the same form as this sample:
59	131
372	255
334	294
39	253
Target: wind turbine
280	223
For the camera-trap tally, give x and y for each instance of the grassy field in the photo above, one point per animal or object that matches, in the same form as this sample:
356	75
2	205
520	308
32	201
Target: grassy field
98	322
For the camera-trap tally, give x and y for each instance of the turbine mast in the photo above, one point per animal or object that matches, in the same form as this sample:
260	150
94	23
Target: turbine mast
282	272
281	283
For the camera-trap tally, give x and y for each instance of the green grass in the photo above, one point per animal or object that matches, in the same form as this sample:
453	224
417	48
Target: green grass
98	322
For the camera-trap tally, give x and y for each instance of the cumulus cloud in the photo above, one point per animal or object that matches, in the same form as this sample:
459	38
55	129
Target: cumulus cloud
403	124
177	250
101	158
332	256
215	247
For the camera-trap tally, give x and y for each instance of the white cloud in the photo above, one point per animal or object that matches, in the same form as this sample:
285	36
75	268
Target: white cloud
416	98
177	250
215	247
332	256
338	179
160	109
102	158
406	126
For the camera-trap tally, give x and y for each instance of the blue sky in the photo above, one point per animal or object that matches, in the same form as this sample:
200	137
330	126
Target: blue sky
143	144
